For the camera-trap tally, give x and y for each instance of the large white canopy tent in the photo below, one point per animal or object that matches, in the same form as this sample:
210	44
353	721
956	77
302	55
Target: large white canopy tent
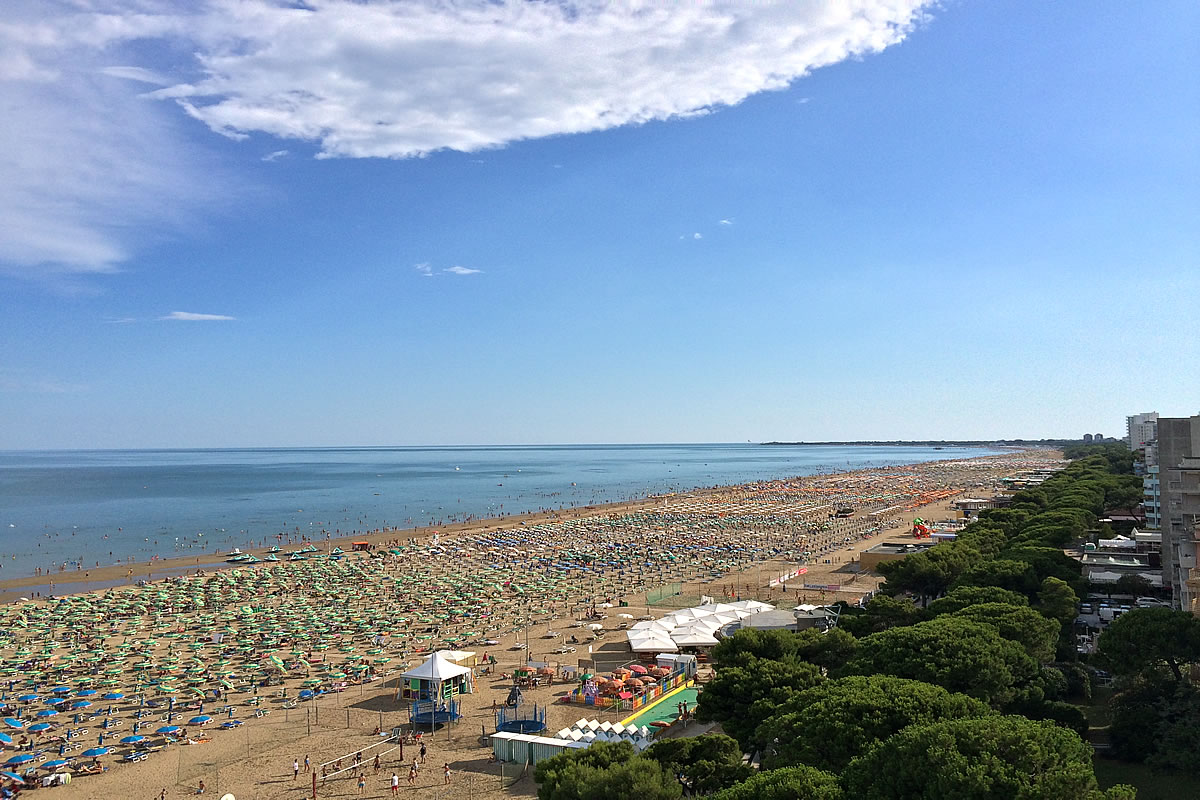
689	627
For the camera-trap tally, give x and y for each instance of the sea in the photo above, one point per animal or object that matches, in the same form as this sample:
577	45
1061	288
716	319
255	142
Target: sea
78	509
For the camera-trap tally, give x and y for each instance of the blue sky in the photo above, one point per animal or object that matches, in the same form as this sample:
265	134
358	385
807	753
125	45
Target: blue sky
514	223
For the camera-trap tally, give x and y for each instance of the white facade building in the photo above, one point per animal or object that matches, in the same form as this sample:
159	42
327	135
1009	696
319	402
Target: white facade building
1141	429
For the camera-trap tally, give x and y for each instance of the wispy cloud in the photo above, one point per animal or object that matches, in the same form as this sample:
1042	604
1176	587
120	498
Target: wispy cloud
275	155
456	270
89	163
697	235
725	222
188	316
136	74
119	320
16	384
425	268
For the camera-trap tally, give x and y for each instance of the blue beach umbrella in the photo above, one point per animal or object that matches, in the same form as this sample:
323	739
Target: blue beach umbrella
166	730
12	776
16	761
61	690
12	722
86	693
81	704
113	696
28	698
133	739
47	712
200	720
55	764
41	726
5	738
95	752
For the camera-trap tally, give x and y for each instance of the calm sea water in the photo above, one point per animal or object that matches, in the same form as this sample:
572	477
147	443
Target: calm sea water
99	507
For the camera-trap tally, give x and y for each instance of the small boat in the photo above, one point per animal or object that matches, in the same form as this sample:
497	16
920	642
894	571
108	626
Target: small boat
271	557
297	557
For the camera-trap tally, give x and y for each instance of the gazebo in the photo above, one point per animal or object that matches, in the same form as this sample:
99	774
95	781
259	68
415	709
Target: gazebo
438	678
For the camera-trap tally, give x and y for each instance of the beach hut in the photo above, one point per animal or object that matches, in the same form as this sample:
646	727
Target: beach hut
436	679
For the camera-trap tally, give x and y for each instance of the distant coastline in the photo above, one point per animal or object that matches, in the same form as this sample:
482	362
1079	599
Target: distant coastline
1019	443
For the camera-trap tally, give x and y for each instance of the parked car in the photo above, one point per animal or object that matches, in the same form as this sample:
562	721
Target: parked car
1152	602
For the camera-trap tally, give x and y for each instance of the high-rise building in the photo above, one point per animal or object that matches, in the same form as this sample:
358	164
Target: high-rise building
1087	438
1177	467
1140	429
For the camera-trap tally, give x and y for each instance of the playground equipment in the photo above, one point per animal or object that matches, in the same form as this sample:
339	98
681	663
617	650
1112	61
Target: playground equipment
920	530
518	716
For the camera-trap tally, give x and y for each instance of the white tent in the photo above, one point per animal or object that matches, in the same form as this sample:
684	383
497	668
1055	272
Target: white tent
689	627
437	668
426	682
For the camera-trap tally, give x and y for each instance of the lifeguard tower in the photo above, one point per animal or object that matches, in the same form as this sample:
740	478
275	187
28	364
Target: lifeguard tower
432	690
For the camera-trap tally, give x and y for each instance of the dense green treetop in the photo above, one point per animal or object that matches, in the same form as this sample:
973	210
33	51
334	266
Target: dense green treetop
741	697
792	783
963	596
705	763
987	758
830	724
958	654
1147	639
604	771
1021	624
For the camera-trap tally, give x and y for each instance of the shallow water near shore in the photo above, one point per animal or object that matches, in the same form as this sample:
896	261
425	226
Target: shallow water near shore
88	508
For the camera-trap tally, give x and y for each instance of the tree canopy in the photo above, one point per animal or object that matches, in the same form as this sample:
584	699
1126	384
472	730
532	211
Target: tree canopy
963	596
1145	639
830	724
1020	624
705	764
958	654
792	783
741	697
604	771
987	758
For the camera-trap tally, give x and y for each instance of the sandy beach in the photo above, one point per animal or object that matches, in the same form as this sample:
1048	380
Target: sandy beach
516	589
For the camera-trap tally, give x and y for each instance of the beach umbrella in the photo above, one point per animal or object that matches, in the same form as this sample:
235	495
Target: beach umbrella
28	698
166	730
12	776
13	722
113	696
81	704
133	739
39	727
5	738
55	764
23	758
47	712
86	692
200	720
96	752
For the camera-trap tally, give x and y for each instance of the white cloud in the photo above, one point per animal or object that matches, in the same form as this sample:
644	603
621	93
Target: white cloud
188	316
456	270
88	163
725	222
424	268
275	155
120	320
399	79
136	74
88	166
697	236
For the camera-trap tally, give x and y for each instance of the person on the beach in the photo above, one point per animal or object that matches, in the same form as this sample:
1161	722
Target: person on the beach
376	764
295	769
446	773
412	775
362	782
422	752
395	784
